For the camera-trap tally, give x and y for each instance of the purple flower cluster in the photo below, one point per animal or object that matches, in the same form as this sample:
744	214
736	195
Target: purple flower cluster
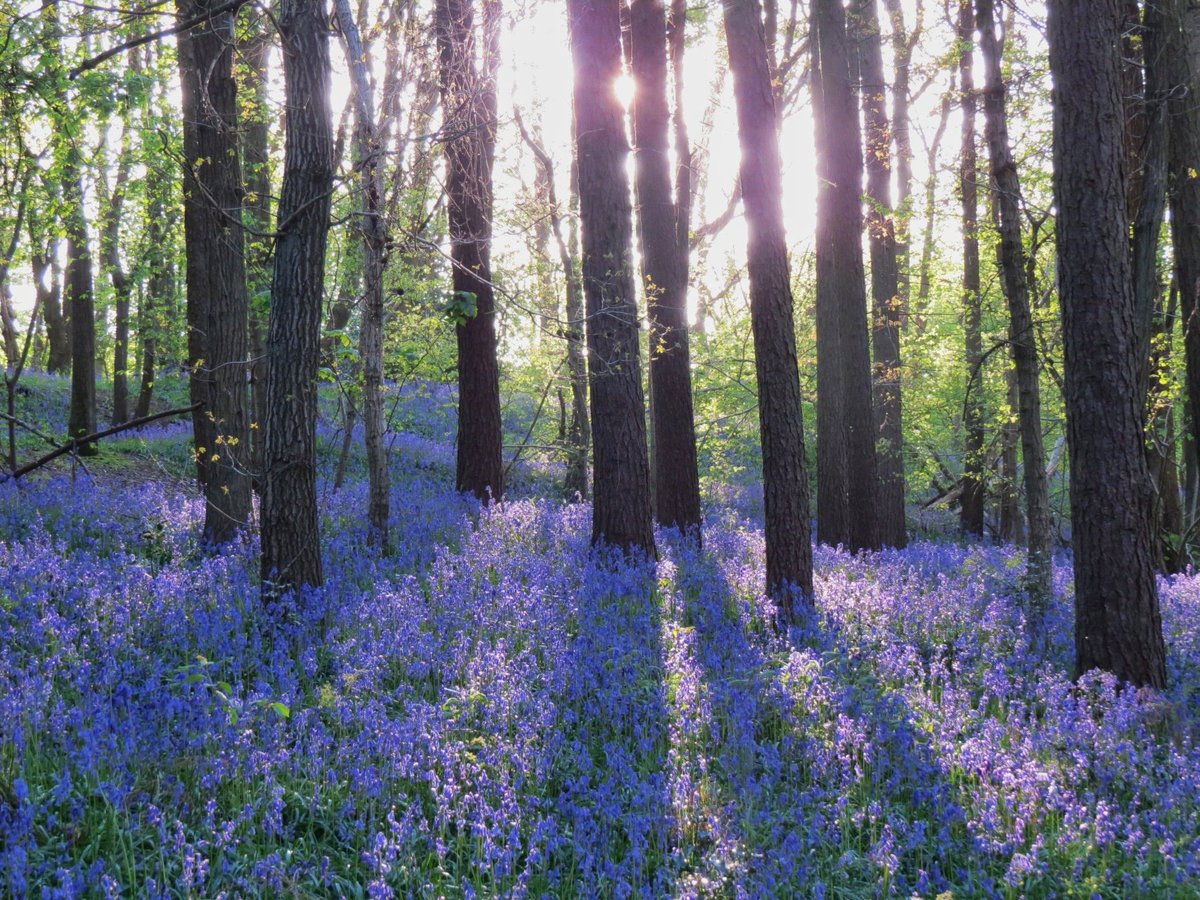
496	709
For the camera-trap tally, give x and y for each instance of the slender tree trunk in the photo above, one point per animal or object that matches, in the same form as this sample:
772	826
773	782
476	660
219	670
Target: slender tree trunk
469	106
576	483
291	542
1011	254
847	479
887	305
81	301
1183	53
664	277
110	243
972	500
374	236
256	167
160	284
216	275
621	488
780	412
919	316
1117	622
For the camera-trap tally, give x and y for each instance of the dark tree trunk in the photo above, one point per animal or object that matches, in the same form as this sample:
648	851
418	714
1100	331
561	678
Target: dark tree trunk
291	542
780	411
469	105
43	261
216	276
664	277
81	302
160	284
256	166
1117	623
1011	255
1183	53
621	487
847	480
972	500
886	303
580	432
110	243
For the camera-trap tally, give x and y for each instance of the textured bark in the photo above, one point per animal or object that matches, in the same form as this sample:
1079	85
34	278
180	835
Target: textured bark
160	285
1011	256
1183	53
110	244
621	481
80	300
43	261
886	302
291	542
780	412
216	276
256	169
374	238
972	499
1117	623
469	106
847	479
664	277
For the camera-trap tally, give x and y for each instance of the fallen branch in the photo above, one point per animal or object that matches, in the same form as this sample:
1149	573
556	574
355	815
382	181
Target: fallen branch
76	443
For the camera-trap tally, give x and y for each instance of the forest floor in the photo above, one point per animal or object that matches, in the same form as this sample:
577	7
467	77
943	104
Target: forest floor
496	709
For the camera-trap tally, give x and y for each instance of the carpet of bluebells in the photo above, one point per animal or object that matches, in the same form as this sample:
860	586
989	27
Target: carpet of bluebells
496	709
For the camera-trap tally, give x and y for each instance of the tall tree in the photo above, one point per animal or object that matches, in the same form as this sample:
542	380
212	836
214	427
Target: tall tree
847	480
374	240
664	276
780	411
1006	196
886	302
291	543
1183	54
469	106
971	517
1117	622
621	481
216	276
79	298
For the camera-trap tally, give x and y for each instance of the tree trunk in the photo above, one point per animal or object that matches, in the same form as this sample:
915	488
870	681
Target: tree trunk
664	277
1011	256
580	433
110	242
621	514
1117	623
374	237
216	277
291	542
1183	53
780	411
972	500
160	284
469	107
81	302
887	305
847	479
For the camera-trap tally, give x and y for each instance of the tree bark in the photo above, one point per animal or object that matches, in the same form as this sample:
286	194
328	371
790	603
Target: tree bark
780	411
374	238
216	276
887	305
972	500
469	107
1118	627
81	302
847	475
291	543
621	514
664	277
1011	256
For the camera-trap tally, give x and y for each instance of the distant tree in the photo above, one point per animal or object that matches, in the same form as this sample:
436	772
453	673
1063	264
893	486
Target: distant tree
374	233
972	500
217	306
886	301
469	107
847	475
780	411
1118	627
291	544
1006	195
621	481
664	276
